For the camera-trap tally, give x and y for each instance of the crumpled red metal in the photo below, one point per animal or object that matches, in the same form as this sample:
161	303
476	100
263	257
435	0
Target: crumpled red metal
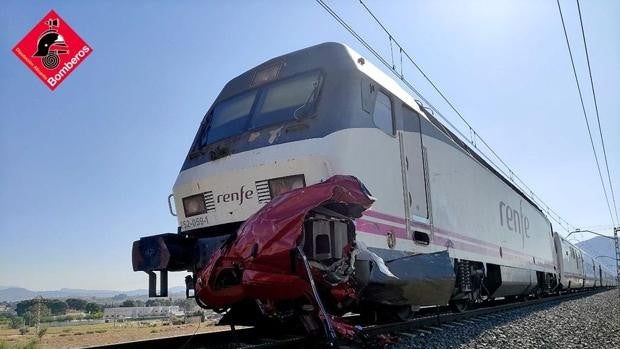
262	249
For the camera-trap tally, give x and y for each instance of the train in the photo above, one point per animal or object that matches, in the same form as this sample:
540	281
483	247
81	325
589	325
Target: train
317	187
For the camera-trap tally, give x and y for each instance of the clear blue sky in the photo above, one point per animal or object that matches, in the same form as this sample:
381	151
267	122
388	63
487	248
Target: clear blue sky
86	169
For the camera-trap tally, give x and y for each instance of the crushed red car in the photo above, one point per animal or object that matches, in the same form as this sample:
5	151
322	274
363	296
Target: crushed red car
262	260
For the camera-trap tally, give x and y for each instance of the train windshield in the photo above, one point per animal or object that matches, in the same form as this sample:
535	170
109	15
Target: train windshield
270	104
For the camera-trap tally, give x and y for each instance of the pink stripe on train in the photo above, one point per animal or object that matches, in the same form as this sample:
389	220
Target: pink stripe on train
442	231
442	238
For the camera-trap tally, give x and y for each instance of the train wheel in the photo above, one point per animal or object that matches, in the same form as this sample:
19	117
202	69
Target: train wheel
403	313
538	294
394	313
459	306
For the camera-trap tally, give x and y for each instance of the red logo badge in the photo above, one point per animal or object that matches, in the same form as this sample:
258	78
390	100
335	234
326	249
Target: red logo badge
52	50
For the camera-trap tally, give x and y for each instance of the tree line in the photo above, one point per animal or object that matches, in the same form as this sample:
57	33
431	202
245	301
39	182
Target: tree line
184	304
55	307
31	311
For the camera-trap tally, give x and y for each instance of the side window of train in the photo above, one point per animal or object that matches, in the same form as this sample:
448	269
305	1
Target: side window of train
382	115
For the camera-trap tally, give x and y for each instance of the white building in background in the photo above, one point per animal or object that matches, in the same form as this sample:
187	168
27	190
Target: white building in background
141	312
4	308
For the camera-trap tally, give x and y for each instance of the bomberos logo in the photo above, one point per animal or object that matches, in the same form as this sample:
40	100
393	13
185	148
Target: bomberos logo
52	50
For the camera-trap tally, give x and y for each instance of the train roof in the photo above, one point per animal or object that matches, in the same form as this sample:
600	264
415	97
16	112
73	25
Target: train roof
322	55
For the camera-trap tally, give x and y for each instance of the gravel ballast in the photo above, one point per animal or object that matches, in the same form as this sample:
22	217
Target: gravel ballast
587	322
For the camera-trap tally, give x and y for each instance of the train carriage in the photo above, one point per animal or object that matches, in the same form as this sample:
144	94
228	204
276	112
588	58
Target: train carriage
444	223
571	265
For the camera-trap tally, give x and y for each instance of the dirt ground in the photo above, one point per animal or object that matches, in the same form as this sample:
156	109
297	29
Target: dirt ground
97	334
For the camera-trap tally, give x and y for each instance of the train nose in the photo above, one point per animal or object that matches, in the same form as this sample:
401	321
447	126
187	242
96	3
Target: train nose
219	196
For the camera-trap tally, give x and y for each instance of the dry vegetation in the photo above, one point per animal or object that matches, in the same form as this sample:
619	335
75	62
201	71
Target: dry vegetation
96	334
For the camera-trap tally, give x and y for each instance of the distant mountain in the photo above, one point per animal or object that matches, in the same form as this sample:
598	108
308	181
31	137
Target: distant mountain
600	246
14	294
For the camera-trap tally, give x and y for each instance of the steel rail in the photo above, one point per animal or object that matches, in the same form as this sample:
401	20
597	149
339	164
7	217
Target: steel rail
448	317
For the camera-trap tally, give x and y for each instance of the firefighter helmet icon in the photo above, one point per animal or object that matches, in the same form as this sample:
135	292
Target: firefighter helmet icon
50	45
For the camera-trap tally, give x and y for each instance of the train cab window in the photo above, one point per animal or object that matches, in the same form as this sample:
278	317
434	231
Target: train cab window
230	117
382	114
271	103
286	99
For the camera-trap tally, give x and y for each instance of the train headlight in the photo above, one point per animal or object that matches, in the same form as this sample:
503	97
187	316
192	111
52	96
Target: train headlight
281	185
194	205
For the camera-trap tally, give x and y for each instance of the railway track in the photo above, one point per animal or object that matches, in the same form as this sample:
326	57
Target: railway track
250	338
438	320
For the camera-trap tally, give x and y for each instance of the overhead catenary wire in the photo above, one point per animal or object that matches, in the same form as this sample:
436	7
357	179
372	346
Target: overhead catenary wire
598	227
506	171
511	175
585	115
598	118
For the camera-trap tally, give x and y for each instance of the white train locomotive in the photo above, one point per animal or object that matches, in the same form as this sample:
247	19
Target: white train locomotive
275	213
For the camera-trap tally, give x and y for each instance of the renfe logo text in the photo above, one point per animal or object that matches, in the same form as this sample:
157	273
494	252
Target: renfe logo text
514	220
240	196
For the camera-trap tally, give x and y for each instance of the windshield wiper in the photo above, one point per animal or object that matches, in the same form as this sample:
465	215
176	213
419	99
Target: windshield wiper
303	109
197	152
